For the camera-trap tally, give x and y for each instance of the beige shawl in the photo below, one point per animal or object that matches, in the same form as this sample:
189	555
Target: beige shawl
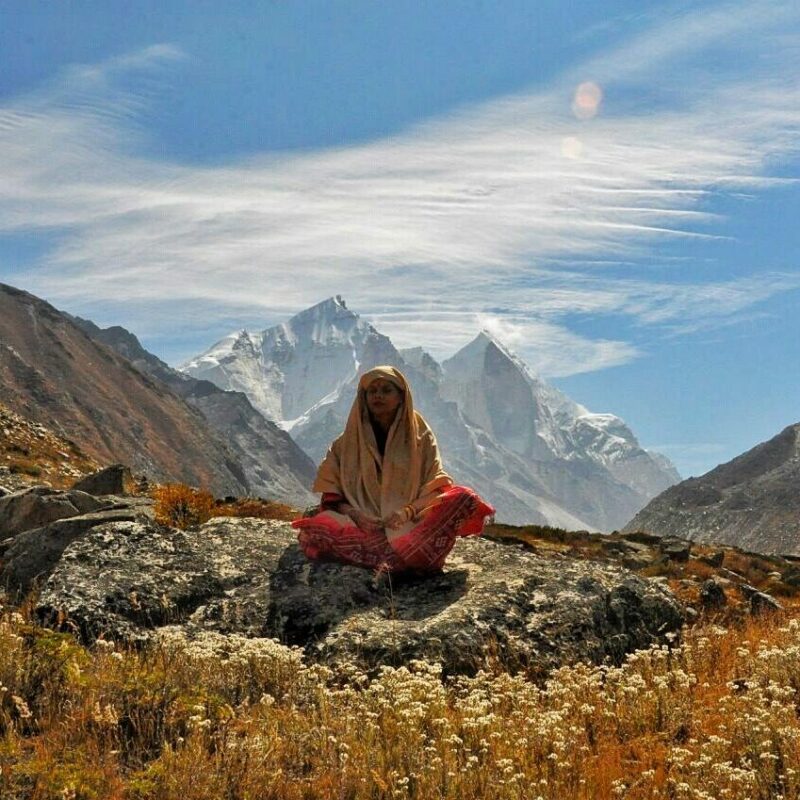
410	467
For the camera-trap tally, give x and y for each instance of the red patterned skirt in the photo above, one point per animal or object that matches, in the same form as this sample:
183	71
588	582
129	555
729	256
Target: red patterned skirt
459	512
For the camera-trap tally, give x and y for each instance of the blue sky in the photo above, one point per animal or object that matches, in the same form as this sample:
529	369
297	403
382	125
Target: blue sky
610	188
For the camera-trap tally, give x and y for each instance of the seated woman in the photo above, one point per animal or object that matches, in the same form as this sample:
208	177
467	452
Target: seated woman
386	501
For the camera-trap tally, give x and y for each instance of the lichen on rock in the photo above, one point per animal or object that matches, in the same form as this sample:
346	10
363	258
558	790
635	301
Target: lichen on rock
494	601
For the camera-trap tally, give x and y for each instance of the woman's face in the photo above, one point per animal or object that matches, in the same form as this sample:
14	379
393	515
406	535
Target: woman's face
383	398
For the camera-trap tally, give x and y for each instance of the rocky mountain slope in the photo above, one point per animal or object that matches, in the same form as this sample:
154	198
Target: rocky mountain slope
275	467
55	375
530	450
32	454
751	502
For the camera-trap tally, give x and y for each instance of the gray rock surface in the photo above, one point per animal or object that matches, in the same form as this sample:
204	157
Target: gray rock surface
715	560
762	603
40	505
791	577
33	554
712	595
751	502
115	479
245	576
675	549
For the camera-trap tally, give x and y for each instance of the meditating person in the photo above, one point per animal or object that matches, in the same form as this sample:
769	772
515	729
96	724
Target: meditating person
387	503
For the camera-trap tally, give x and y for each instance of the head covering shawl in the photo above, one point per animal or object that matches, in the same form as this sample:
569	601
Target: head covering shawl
409	468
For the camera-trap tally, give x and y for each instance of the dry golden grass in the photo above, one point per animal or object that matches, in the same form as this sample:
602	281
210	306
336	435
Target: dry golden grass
256	507
714	716
31	454
181	506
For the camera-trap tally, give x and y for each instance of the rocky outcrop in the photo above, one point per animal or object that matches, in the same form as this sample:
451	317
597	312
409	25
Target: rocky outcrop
712	595
130	579
533	597
37	524
528	611
31	555
116	479
40	505
752	502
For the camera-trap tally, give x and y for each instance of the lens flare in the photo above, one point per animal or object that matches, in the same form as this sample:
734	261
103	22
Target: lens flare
571	147
587	99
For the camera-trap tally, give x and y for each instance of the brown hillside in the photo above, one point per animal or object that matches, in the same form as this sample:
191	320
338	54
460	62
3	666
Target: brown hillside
52	373
32	454
751	502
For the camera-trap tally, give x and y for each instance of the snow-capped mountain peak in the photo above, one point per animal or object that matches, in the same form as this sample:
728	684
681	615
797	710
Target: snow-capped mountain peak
326	322
497	391
502	428
285	370
423	361
220	351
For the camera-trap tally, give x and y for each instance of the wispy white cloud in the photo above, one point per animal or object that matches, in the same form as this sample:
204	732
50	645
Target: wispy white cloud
552	349
549	348
458	223
680	36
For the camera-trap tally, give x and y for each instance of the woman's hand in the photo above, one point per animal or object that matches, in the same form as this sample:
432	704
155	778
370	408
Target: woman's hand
366	522
399	518
395	520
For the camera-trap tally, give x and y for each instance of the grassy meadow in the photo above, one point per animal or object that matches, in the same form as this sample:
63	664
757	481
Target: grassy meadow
715	715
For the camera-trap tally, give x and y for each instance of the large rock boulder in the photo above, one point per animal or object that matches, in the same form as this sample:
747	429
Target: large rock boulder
33	554
130	579
116	479
40	505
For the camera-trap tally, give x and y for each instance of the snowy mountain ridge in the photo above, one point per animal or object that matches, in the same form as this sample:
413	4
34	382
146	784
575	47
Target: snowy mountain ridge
536	454
273	367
